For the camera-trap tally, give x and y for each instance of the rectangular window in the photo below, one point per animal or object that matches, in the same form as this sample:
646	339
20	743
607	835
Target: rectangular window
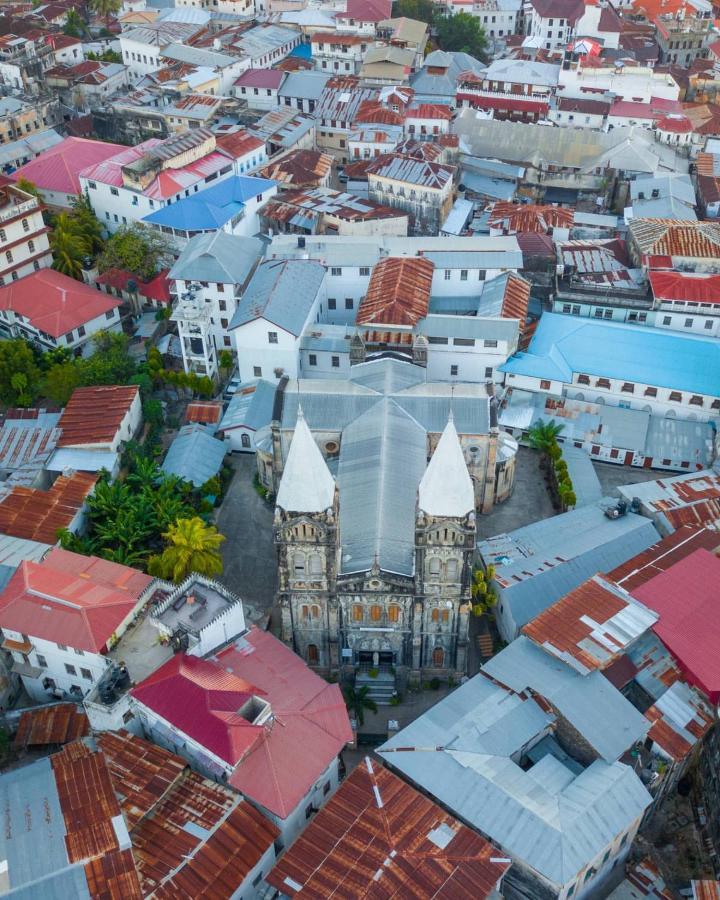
62	647
86	674
332	303
41	661
667	320
447	274
566	307
326	788
463	274
336	362
70	669
335	271
114	191
92	185
708	324
689	323
603	383
272	337
454	370
464	342
308	811
81	331
696	400
628	388
651	392
364	271
257	371
437	340
583	379
488	372
348	303
490	343
312	359
675	396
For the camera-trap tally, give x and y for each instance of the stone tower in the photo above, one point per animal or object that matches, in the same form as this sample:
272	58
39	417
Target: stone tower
306	536
445	546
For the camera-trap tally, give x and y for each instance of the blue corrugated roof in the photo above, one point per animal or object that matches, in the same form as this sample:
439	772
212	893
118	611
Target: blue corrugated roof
302	51
563	345
251	406
195	455
211	208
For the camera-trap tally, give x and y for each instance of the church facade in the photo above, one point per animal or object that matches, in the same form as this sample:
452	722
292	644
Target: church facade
375	558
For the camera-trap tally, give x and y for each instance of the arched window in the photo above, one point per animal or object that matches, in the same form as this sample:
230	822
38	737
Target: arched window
438	658
305	613
299	563
245	440
445	615
451	570
393	613
376	613
435	615
315	564
357	613
434	565
313	656
315	611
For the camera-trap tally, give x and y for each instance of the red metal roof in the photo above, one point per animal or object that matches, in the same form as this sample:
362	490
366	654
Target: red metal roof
676	124
260	78
685	286
58	724
517	298
686	596
664	555
57	169
239	143
70	599
522	217
376	839
398	292
94	414
666	732
55	303
38	515
429	111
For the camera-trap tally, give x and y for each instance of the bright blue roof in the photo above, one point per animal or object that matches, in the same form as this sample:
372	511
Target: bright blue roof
563	345
211	208
302	51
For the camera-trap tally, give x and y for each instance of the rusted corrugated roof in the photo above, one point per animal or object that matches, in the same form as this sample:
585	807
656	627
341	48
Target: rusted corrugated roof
38	515
669	237
647	878
398	292
680	720
706	890
142	772
94	414
58	724
204	411
379	837
535	218
663	555
517	298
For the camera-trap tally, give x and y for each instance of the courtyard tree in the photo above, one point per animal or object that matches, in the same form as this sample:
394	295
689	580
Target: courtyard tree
106	8
461	33
191	546
20	375
137	249
70	247
357	701
542	435
60	381
484	597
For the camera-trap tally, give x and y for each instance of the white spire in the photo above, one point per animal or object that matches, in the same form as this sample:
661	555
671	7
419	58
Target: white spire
446	488
306	484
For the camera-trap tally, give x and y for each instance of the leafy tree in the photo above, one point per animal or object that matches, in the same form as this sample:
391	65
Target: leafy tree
192	546
108	56
20	374
483	596
462	33
110	363
25	185
357	701
544	434
137	249
420	10
70	247
86	223
107	8
74	24
225	361
60	381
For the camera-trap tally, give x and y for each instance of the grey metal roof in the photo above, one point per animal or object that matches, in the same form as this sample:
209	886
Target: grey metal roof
263	39
663	208
445	85
198	56
383	455
524	71
586	484
476	327
82	460
195	455
680	439
592	705
281	291
678	186
250	407
493	188
218	256
555	825
493	168
539	563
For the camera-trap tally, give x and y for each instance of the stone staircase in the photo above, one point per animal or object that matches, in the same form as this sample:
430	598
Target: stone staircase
380	689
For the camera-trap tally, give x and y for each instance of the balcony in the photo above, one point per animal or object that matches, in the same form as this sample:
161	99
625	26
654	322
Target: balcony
26	669
18	209
23	647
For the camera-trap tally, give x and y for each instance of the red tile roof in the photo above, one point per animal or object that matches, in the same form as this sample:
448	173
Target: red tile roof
689	626
664	555
54	303
398	292
58	724
94	414
375	839
79	601
685	286
57	169
38	515
201	698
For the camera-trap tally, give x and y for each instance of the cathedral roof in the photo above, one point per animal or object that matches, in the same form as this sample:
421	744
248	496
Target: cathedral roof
306	484
446	487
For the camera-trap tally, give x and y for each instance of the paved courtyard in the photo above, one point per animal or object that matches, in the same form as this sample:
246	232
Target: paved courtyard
612	476
249	558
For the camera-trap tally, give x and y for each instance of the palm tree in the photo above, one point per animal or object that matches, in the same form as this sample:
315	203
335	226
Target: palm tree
544	434
69	247
144	474
106	8
193	546
87	223
357	701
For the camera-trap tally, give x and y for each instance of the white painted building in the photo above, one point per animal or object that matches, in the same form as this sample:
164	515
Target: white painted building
24	245
142	47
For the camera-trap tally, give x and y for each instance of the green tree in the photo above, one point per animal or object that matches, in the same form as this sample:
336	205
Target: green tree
420	10
106	8
69	246
357	700
74	24
225	361
20	374
192	546
137	249
60	381
542	435
483	596
86	223
25	185
461	33
111	362
109	56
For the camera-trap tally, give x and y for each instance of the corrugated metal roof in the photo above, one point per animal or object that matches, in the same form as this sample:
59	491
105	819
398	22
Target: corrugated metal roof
195	454
668	237
71	459
37	515
665	553
383	455
398	292
282	292
680	719
585	482
378	834
58	724
250	407
556	831
93	415
219	257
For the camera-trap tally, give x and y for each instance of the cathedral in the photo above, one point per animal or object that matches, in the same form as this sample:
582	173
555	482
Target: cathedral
375	557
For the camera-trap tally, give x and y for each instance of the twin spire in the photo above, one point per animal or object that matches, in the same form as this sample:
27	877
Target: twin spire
446	488
306	484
